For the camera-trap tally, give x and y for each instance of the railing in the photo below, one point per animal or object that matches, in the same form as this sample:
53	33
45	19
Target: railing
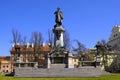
88	63
26	64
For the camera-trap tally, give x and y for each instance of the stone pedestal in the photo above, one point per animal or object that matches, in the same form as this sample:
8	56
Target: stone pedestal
58	36
56	62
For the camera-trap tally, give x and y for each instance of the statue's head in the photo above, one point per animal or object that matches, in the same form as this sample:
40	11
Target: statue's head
58	8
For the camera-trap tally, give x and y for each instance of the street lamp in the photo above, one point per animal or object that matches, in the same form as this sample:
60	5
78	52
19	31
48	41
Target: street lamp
17	49
82	57
98	45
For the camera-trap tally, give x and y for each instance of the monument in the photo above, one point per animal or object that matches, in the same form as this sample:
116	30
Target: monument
59	60
59	57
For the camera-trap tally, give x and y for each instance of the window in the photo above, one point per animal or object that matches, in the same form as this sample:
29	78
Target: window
3	66
75	60
6	70
114	35
7	66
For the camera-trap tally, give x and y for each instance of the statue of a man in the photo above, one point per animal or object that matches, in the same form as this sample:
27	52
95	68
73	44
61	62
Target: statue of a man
59	17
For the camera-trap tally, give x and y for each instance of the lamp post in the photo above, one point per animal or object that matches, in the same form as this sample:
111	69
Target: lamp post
17	49
98	45
82	58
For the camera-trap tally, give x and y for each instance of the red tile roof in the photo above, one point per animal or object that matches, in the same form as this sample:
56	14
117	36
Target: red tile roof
23	48
4	57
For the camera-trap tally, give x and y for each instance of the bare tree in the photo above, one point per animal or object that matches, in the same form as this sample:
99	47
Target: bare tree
67	40
24	40
80	49
37	40
16	36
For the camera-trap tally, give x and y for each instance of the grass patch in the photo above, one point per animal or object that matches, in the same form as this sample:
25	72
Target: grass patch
104	77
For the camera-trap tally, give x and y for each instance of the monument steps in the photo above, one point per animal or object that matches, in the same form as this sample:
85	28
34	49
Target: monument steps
65	72
56	66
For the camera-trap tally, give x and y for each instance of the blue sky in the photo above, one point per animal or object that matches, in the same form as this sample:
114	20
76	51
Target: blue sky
86	20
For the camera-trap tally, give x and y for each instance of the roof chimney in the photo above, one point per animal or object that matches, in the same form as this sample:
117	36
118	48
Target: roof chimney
13	44
43	44
17	43
32	45
28	45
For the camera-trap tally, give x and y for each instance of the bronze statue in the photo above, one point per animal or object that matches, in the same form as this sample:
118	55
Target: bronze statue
59	17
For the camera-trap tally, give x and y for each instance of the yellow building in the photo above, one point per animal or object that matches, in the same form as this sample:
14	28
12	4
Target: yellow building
107	62
75	62
6	66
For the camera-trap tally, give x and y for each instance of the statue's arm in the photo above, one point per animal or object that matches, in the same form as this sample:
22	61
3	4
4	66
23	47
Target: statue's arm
55	12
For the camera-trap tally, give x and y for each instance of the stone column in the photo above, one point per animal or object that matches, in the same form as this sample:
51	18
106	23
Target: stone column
70	61
48	64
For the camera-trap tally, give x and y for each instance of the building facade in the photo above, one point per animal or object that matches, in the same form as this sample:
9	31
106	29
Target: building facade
5	64
115	36
28	55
